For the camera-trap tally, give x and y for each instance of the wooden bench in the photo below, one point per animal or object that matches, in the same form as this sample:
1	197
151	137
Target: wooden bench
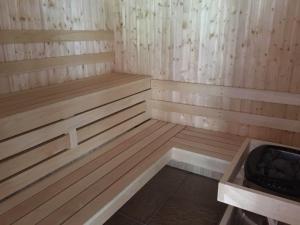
52	168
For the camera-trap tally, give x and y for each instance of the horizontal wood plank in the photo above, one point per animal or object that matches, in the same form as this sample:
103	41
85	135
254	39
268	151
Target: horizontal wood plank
153	152
243	118
57	204
31	36
22	180
212	137
200	151
83	175
23	161
204	147
29	192
232	138
205	141
99	126
25	66
16	123
230	92
101	200
28	140
103	175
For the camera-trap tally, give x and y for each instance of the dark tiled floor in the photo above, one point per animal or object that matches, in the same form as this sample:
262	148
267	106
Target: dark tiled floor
172	197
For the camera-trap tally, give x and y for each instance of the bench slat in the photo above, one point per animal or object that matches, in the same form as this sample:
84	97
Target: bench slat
97	127
15	124
101	200
201	146
97	162
238	139
30	191
213	143
21	162
201	151
85	183
79	195
211	137
28	140
24	179
83	198
38	97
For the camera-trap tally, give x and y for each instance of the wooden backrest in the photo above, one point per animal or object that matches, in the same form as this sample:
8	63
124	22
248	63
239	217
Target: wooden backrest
41	36
162	88
44	129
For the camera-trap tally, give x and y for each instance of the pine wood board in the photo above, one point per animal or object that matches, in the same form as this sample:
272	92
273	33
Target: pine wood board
26	66
24	179
58	175
230	116
31	36
42	114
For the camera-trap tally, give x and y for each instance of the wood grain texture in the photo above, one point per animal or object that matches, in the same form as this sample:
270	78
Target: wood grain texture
50	107
231	43
20	181
228	92
116	108
45	63
29	192
97	160
81	189
236	117
60	16
31	36
32	157
245	46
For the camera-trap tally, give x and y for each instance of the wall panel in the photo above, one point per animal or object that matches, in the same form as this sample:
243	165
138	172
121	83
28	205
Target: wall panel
232	43
53	15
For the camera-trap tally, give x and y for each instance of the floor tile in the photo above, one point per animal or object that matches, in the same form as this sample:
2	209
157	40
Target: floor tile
194	203
152	196
199	189
119	219
178	212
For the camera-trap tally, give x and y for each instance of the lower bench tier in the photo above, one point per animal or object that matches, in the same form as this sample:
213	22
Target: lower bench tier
92	188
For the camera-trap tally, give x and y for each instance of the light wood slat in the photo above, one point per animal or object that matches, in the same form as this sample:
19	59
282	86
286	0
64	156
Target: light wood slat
214	143
112	120
31	36
112	178
200	151
98	161
30	191
29	176
230	92
89	181
101	200
25	66
26	100
243	118
28	140
237	161
15	124
232	137
64	88
204	146
22	102
213	138
23	161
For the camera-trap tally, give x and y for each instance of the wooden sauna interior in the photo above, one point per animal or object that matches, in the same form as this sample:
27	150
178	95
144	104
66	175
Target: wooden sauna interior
75	75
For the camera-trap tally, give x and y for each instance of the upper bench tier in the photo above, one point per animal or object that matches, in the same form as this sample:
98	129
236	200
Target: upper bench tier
36	107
